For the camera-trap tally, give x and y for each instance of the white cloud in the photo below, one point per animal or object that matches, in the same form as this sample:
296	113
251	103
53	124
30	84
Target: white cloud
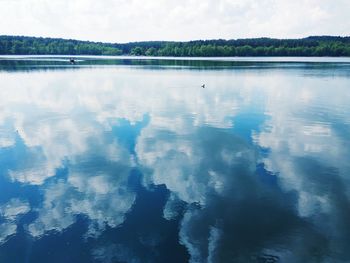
10	212
121	21
14	208
309	149
65	120
49	119
104	198
297	130
7	229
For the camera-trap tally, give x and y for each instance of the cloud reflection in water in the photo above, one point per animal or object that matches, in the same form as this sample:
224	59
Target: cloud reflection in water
80	136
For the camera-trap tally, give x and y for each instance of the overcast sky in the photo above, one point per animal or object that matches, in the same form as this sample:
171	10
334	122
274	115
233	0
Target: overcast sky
137	20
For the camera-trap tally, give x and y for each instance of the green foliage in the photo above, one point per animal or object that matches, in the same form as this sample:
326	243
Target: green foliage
151	52
310	46
13	45
137	51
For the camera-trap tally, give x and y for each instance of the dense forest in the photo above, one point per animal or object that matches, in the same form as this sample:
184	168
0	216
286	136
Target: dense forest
310	46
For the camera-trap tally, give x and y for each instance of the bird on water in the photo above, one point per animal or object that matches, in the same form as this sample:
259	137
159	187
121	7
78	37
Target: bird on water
203	86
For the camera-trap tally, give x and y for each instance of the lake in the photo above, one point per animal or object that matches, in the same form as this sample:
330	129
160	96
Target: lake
132	160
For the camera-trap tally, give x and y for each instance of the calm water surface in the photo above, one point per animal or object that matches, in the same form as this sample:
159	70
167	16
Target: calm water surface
132	161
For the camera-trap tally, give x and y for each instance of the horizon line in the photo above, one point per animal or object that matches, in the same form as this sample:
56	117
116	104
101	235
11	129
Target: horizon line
176	41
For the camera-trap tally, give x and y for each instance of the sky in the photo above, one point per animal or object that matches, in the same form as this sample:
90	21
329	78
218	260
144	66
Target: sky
178	20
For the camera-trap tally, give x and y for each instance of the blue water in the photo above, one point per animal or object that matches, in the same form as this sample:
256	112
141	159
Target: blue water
127	160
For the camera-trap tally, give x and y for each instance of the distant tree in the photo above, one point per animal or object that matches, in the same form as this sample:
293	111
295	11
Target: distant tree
310	46
151	52
137	51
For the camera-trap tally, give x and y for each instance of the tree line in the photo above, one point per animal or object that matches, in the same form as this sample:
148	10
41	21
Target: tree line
310	46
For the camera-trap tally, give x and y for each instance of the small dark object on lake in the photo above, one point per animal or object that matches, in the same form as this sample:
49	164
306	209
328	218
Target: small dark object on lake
72	61
203	86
